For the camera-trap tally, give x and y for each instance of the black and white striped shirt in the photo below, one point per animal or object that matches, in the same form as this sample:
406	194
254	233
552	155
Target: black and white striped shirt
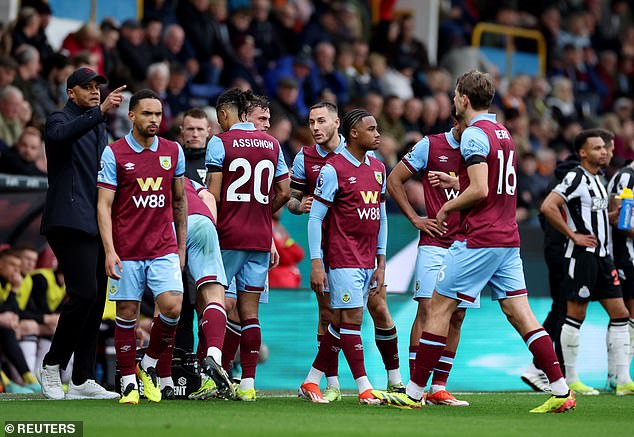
622	247
586	208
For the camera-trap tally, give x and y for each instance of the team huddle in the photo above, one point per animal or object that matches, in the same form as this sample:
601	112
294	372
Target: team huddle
153	221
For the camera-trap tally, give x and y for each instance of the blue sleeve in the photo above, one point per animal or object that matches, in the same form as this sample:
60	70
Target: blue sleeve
317	213
381	247
474	142
180	165
282	168
107	175
215	155
298	172
416	159
327	185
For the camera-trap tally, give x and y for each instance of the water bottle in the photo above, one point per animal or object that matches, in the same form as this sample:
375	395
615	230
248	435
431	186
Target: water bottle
627	201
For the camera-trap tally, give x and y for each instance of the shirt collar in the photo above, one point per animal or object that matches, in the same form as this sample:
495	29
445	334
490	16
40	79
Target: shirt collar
354	161
340	147
137	147
488	117
246	125
451	139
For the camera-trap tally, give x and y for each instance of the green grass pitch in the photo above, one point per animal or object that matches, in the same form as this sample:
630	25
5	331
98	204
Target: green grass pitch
281	414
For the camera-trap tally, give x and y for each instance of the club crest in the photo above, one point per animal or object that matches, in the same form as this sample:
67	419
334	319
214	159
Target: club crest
379	177
166	162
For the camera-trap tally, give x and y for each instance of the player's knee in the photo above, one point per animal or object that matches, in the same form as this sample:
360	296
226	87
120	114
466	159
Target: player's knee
127	310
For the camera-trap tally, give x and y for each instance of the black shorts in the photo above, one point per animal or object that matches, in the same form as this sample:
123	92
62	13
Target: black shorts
626	274
589	277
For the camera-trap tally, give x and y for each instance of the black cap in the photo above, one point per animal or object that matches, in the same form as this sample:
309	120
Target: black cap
84	75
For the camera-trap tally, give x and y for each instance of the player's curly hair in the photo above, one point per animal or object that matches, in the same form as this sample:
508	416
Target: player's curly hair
236	99
351	119
256	101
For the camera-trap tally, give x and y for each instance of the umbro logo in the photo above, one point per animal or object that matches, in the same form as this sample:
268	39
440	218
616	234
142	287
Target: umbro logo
125	348
316	168
443	158
352	180
129	166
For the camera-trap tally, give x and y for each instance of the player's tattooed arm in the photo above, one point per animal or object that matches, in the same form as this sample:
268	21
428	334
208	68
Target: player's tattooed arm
179	211
299	202
282	194
104	220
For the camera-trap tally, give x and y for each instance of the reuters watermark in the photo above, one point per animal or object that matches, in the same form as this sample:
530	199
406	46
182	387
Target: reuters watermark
44	428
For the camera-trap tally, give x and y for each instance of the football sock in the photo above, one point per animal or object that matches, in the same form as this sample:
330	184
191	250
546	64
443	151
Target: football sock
332	381
314	376
247	383
430	350
127	380
352	347
619	341
412	359
250	347
442	369
125	346
329	347
161	335
394	377
332	371
166	381
164	365
363	384
387	343
28	344
230	345
541	346
570	347
214	322
631	329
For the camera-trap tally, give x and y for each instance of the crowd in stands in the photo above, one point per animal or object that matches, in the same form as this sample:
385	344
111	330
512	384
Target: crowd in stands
298	52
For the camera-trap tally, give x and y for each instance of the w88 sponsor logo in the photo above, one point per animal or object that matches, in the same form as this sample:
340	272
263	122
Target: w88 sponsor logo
149	201
369	213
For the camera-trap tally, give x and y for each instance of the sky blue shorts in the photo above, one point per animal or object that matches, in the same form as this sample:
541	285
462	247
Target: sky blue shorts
203	251
159	275
428	262
349	288
465	272
249	268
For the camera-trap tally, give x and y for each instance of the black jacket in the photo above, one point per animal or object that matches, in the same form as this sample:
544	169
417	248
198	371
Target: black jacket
75	139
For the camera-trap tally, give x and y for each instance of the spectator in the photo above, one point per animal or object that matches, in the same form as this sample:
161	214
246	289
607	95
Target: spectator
178	96
325	76
21	159
562	101
390	120
429	117
286	274
26	29
269	47
153	30
177	51
412	112
374	103
407	48
387	151
109	39
11	127
285	102
50	90
281	129
158	78
244	66
8	69
133	49
86	39
28	72
201	31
